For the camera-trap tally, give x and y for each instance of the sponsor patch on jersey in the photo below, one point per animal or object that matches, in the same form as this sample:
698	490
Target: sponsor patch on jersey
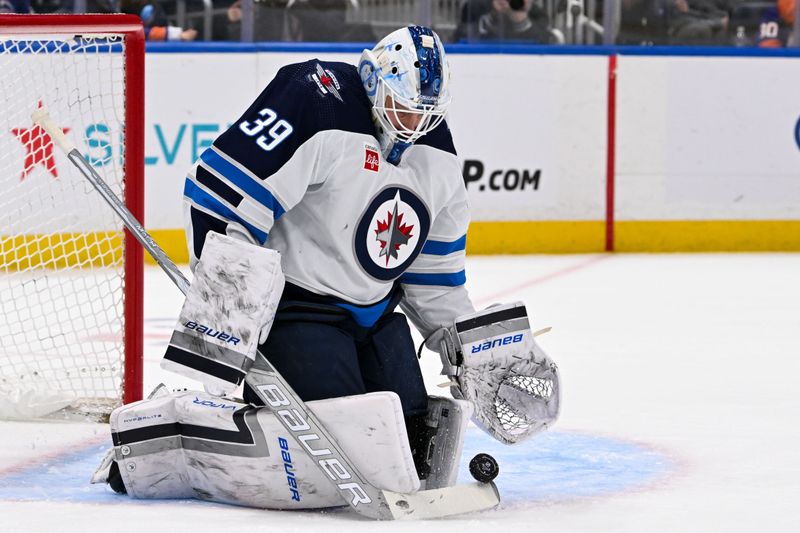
391	232
372	158
326	82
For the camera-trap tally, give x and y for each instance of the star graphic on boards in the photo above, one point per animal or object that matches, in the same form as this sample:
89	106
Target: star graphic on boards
38	149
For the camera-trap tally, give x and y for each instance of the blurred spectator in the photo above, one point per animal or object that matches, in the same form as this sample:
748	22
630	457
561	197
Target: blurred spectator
698	22
503	20
234	16
643	22
691	22
786	8
51	6
787	11
269	20
15	6
155	21
323	20
776	24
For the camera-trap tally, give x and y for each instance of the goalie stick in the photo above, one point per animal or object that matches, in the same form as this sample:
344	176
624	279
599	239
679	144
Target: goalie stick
286	405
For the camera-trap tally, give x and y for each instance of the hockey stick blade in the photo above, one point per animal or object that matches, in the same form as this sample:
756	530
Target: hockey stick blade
287	406
447	501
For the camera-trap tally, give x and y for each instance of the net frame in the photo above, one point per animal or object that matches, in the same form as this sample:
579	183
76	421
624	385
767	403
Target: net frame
130	27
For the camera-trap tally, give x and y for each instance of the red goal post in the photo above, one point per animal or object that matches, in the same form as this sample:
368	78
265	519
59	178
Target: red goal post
57	241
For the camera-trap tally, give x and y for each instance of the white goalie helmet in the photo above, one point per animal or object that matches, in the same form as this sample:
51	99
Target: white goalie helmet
406	77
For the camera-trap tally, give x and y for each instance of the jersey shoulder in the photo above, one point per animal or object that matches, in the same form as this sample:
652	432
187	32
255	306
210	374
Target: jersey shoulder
440	138
331	94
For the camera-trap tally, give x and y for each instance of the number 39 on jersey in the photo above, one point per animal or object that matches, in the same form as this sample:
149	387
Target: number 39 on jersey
279	131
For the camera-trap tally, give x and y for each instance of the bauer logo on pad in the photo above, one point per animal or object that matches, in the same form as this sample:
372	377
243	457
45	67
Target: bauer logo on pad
371	158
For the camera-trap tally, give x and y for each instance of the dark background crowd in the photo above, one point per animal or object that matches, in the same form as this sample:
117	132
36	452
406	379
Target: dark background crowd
763	23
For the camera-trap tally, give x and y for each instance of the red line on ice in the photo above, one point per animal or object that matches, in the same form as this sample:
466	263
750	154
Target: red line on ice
491	298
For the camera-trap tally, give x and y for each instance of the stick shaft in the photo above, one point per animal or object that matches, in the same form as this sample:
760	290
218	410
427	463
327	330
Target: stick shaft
141	234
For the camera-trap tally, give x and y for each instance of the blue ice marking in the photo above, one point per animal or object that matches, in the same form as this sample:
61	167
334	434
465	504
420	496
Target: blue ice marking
556	466
550	467
65	479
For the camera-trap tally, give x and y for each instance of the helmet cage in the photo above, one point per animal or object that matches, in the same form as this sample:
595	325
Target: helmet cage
392	110
406	74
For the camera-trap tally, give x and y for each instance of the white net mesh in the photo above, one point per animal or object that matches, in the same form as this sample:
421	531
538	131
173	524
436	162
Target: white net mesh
61	248
512	421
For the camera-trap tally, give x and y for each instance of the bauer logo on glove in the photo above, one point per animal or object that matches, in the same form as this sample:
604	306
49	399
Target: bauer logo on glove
488	345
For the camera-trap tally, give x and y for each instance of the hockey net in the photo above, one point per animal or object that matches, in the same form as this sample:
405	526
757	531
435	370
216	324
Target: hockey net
70	277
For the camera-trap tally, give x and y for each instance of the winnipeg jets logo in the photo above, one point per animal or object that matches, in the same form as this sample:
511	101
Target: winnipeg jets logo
391	232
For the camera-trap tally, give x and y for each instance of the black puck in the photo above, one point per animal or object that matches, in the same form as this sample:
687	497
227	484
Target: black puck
483	467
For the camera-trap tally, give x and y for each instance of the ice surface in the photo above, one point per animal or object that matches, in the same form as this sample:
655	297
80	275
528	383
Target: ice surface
679	412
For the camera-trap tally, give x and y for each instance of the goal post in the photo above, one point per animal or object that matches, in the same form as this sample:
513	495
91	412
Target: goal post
71	276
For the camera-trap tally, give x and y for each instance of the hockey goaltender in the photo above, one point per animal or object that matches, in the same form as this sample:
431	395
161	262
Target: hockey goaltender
335	198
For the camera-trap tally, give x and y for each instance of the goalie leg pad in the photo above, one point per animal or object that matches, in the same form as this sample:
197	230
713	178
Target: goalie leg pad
233	298
192	444
447	420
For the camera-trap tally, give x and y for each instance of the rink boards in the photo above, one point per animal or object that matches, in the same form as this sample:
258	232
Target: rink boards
563	150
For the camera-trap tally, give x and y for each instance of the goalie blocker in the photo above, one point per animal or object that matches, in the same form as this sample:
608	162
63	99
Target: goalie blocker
494	362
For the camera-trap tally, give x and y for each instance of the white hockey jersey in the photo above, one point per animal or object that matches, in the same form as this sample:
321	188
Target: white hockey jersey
301	172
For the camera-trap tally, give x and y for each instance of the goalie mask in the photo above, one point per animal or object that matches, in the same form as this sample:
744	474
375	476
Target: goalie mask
406	78
495	363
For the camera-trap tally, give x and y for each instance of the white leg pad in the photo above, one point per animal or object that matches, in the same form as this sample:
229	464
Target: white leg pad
192	444
233	299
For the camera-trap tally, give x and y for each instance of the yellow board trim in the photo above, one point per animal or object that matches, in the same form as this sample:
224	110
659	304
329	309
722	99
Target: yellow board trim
707	236
173	242
527	237
60	250
99	249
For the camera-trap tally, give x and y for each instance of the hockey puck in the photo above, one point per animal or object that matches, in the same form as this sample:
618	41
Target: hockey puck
484	467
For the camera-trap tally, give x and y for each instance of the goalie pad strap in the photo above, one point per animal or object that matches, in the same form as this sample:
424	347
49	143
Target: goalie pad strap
221	354
200	368
207	359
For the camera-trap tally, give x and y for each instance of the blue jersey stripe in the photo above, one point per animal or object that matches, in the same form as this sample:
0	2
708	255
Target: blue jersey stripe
243	181
201	197
366	316
449	279
444	247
